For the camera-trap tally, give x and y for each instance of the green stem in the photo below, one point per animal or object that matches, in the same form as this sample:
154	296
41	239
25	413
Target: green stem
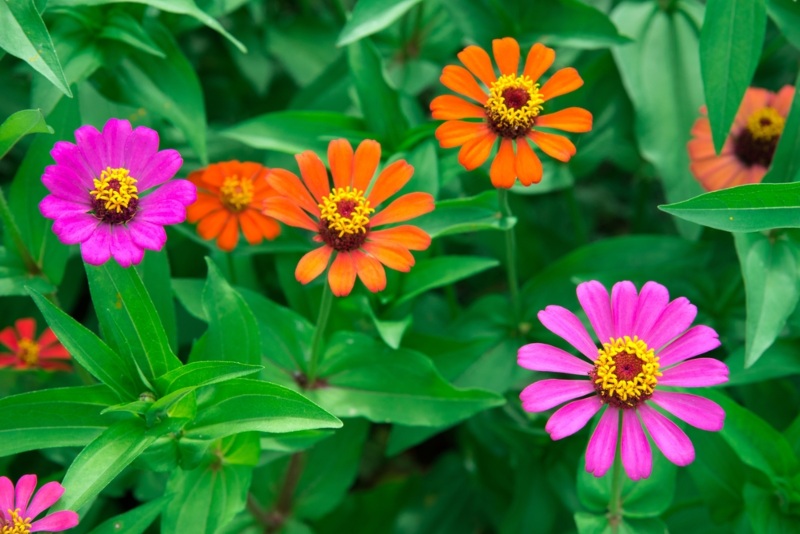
13	231
615	504
319	332
511	255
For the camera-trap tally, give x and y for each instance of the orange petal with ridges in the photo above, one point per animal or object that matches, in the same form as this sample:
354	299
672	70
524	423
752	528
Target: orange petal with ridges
289	213
528	165
201	207
477	60
250	228
456	133
449	107
506	54
502	170
569	120
228	238
26	328
406	235
342	274
196	177
460	80
539	59
404	208
211	225
702	129
394	257
390	181
783	100
555	146
757	173
704	167
267	227
726	175
370	271
289	185
563	81
367	158
314	174
474	153
340	160
312	264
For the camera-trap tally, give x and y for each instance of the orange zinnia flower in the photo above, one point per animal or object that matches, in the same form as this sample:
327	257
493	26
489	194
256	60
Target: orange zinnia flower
229	195
511	111
29	353
344	216
748	150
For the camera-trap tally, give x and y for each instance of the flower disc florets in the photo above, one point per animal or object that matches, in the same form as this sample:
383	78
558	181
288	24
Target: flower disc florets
236	194
344	219
625	372
115	197
757	142
513	104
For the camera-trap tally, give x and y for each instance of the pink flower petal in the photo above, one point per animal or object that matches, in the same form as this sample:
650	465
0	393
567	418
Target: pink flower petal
181	191
595	301
6	494
53	207
93	148
115	133
123	248
163	213
623	308
603	444
159	169
97	249
68	155
63	520
546	394
63	182
637	458
74	228
697	340
700	372
676	319
45	498
697	411
147	235
26	485
653	299
572	417
670	439
141	146
547	358
566	325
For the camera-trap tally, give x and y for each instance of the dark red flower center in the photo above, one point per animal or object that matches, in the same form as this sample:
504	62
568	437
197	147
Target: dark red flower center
756	143
115	197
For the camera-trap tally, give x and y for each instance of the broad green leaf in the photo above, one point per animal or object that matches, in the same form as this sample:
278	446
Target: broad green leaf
768	512
25	36
441	271
746	208
572	24
730	46
718	474
58	417
133	521
155	274
786	162
20	124
199	374
115	371
371	16
786	15
122	27
779	360
462	215
770	270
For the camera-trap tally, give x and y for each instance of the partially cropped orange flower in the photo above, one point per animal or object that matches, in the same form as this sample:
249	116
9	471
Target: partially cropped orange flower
747	153
344	216
509	109
230	195
27	352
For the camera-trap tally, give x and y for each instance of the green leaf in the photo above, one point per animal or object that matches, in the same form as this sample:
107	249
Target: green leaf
441	271
464	215
371	16
779	360
746	208
155	274
20	124
730	46
770	271
25	36
87	349
58	417
122	27
199	374
572	24
767	512
785	162
134	521
556	176
786	15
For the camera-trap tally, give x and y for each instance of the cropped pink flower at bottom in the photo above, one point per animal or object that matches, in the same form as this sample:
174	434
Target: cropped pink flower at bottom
18	512
647	342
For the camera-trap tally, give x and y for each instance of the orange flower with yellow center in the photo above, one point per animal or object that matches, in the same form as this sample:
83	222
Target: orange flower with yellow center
511	110
344	217
230	196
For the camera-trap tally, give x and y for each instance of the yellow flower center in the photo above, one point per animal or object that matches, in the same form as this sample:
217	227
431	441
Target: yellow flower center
514	102
15	524
625	372
115	188
28	352
237	193
346	211
766	124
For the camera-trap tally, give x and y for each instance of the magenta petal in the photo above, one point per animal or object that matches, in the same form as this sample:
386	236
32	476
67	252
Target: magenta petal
6	493
56	522
97	249
93	148
603	444
595	301
697	411
566	325
675	320
68	155
160	168
147	235
670	439
26	485
653	299
546	394
623	308
53	207
697	340
572	417
45	498
123	248
63	182
115	133
637	458
700	372
180	191
547	358
75	228
140	148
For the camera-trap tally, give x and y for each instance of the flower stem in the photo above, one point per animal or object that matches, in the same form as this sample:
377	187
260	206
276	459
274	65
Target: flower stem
615	504
511	255
319	332
13	231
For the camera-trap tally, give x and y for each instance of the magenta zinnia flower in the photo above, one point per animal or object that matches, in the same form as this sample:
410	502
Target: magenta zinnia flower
105	192
17	511
646	341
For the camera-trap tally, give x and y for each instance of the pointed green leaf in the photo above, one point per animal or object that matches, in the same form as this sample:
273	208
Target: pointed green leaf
199	374
155	274
122	27
20	124
571	23
134	521
371	16
786	15
463	215
431	273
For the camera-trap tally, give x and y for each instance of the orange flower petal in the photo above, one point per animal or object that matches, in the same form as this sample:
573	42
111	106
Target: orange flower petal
404	208
406	235
213	176
727	172
228	238
448	107
474	153
783	100
702	128
289	185
314	174
267	226
196	177
390	181
340	160
289	213
705	167
460	80
367	158
456	133
506	53
569	120
26	328
250	228
211	225
562	82
370	271
700	149
477	60
755	98
396	258
539	59
528	165
757	173
502	171
312	264
201	207
555	146
342	274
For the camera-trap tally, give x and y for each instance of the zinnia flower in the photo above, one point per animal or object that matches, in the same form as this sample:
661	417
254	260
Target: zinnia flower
28	352
748	150
509	111
103	192
230	195
645	344
18	512
344	215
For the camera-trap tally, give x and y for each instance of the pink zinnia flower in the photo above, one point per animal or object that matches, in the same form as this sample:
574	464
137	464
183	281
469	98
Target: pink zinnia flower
27	352
646	341
17	511
104	196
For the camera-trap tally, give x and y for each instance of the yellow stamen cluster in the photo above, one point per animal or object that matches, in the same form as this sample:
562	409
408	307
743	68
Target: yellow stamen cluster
766	124
28	352
115	187
623	356
346	210
513	116
237	193
16	524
